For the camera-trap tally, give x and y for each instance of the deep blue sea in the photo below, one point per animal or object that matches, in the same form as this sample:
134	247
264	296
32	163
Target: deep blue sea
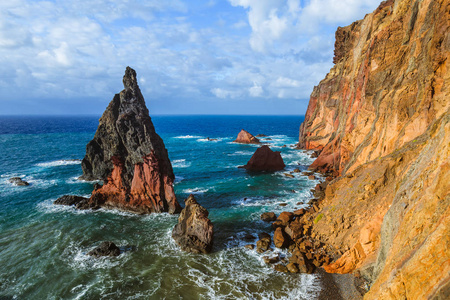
43	247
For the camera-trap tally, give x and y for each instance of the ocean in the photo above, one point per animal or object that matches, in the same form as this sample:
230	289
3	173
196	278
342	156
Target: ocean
43	246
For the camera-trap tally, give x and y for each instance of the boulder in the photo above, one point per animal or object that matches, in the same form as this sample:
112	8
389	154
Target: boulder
285	217
77	201
264	242
281	268
105	249
280	238
268	217
292	268
194	231
271	260
18	181
244	137
264	159
129	157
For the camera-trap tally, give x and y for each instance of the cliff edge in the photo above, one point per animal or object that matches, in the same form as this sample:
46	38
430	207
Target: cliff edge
130	158
381	121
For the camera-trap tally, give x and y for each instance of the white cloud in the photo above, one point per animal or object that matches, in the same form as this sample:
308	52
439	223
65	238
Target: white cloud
223	93
79	49
256	90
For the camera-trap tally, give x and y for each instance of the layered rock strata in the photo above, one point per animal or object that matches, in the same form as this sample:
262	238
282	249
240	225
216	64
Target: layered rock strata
381	121
244	137
194	231
264	159
130	158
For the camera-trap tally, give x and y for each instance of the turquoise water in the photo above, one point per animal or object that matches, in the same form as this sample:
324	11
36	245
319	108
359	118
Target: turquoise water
43	247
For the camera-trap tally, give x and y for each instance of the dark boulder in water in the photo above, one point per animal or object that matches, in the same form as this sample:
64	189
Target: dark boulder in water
264	159
130	158
194	231
70	200
105	249
18	181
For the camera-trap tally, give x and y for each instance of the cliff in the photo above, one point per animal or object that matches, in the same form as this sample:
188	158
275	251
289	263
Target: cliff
381	121
130	158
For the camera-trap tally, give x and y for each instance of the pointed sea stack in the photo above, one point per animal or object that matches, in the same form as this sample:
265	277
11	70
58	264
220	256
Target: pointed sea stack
130	158
264	159
244	137
194	231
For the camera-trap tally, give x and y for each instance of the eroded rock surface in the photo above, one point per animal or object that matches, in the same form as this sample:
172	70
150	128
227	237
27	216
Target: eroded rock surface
264	159
194	231
381	121
128	155
244	137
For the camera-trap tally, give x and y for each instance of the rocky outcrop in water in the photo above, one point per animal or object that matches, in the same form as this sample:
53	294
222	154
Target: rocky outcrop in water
18	181
194	231
381	121
245	137
105	249
264	159
73	200
128	155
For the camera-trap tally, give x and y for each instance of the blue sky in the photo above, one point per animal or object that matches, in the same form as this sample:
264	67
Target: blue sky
191	57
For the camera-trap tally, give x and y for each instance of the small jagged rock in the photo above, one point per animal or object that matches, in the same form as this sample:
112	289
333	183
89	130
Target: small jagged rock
18	181
105	249
194	231
244	137
268	217
250	246
281	268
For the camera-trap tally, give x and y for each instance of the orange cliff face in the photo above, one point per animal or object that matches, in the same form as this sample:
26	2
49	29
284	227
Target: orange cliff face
387	87
130	158
381	119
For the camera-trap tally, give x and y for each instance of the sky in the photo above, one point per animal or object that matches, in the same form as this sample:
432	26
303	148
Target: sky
240	57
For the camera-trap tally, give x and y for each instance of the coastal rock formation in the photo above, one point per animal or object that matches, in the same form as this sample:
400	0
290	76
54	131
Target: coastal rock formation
264	159
245	137
194	231
130	158
18	181
105	249
381	121
77	201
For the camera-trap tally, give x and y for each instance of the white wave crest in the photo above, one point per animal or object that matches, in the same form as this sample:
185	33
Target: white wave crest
188	137
180	163
195	191
58	163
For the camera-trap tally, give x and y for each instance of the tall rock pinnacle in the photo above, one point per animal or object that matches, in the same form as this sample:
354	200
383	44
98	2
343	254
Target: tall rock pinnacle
128	155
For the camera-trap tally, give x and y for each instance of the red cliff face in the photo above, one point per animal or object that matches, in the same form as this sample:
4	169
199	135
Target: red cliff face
381	119
131	159
387	87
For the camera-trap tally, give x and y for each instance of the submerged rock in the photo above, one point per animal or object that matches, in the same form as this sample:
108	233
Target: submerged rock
194	231
264	159
105	249
128	155
18	181
244	137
